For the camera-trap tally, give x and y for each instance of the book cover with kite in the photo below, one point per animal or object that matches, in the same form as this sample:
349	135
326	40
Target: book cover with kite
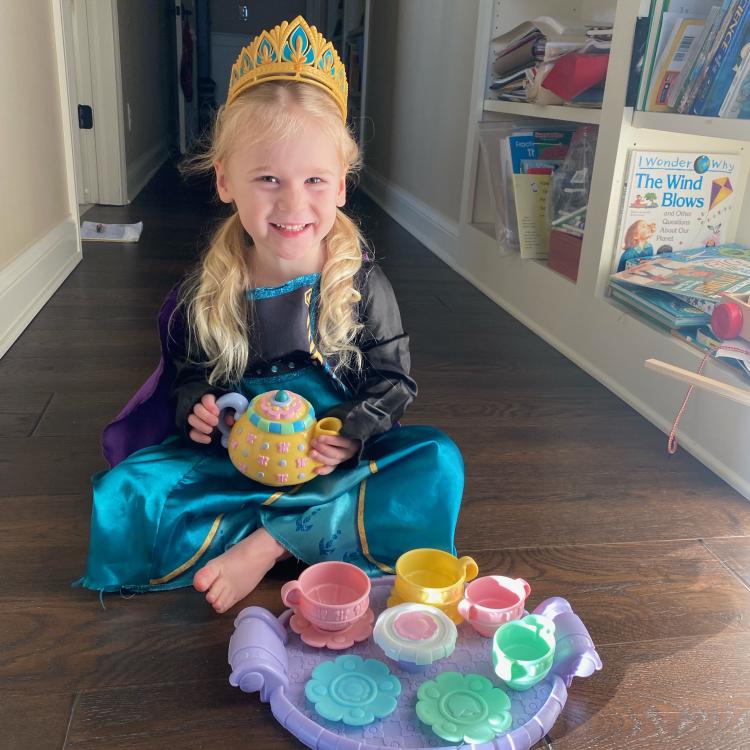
673	201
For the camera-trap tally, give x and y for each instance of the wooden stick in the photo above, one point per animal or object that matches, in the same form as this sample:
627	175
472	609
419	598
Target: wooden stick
740	395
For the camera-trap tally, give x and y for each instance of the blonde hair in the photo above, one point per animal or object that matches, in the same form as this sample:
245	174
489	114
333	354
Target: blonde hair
218	313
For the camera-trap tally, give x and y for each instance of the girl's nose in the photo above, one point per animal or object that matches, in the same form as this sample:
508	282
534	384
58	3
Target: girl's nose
291	197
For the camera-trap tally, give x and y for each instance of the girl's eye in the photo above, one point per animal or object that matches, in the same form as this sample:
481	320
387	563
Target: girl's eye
314	180
268	178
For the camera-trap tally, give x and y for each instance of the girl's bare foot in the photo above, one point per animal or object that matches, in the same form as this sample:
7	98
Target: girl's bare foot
234	574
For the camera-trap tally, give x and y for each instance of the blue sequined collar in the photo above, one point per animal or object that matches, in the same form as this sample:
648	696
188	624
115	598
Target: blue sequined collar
262	292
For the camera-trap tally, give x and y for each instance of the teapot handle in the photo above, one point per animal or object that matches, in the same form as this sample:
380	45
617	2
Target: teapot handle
235	401
327	426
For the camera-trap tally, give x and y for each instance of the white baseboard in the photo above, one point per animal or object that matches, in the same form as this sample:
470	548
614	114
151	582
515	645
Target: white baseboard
142	169
433	229
32	278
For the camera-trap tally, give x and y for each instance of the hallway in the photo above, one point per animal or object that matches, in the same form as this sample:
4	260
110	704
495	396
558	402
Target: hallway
567	487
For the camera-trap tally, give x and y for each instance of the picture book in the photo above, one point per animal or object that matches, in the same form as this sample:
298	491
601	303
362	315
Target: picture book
736	103
685	33
531	156
691	58
660	306
675	200
721	67
663	16
702	278
703	72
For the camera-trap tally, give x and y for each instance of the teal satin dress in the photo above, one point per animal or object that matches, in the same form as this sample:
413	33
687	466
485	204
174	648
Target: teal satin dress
166	510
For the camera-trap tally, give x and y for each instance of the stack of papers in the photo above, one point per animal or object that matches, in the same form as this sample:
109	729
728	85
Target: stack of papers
98	232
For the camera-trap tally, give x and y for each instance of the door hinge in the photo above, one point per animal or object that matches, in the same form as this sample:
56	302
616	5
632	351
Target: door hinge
85	117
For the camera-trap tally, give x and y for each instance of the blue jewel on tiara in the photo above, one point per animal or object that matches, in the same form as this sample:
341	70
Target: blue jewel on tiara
265	49
326	61
297	47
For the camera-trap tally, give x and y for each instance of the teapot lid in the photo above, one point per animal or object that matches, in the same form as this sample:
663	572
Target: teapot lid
281	412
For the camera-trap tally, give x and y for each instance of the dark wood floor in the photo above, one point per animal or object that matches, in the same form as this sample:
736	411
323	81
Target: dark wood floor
566	486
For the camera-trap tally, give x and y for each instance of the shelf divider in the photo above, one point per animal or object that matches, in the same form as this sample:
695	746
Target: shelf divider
549	111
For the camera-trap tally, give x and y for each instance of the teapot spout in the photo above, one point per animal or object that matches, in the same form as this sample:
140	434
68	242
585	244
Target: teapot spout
327	426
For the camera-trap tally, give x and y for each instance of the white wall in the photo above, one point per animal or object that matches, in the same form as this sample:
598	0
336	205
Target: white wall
40	242
421	56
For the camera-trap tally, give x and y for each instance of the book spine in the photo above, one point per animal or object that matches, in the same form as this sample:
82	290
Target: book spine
738	93
691	58
654	28
718	78
700	69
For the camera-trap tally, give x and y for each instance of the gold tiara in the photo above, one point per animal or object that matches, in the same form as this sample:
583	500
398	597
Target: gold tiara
291	51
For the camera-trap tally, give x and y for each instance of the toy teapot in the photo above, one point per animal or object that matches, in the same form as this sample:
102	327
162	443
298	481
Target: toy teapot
270	438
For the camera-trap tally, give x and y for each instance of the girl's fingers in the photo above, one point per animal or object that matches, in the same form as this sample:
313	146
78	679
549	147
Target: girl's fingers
323	470
206	416
199	425
199	437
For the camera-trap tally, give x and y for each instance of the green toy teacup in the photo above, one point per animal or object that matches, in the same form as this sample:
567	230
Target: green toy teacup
523	651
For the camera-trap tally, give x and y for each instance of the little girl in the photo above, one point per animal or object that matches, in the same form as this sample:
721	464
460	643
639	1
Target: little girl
281	300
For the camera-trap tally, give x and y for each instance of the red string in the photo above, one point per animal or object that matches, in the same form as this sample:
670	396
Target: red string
672	442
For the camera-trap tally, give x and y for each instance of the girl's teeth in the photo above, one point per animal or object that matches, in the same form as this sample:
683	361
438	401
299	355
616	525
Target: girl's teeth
291	227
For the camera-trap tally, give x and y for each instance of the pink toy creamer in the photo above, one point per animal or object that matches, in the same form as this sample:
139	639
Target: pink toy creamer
330	595
491	601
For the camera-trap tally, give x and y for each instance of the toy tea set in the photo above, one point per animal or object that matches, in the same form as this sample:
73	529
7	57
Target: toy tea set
433	655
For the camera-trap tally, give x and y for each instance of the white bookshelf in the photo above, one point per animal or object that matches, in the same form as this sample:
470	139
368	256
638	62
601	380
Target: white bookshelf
579	319
553	112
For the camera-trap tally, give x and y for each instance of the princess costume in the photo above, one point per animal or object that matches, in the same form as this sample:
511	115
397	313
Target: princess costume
168	505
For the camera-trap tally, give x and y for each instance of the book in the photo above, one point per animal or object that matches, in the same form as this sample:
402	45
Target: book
662	306
675	200
736	103
702	278
691	57
544	148
685	33
659	32
576	72
720	72
703	63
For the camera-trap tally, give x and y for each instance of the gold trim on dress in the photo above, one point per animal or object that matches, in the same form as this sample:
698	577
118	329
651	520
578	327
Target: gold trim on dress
373	467
361	529
189	563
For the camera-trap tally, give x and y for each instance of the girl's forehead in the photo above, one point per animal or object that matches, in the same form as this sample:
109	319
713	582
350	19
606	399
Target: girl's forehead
305	148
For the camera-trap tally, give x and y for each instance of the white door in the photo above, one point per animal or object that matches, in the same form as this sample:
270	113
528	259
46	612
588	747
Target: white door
187	90
87	177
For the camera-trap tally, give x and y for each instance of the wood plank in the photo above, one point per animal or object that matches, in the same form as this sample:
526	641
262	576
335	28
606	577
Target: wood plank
32	720
733	552
671	694
631	592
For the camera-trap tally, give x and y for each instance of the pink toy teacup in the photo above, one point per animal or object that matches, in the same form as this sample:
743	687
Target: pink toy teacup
330	595
491	601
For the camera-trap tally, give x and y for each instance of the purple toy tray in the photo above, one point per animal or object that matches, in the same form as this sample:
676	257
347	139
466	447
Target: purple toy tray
267	656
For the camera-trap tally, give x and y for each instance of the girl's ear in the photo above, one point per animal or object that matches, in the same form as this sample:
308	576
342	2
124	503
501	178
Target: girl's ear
341	193
221	182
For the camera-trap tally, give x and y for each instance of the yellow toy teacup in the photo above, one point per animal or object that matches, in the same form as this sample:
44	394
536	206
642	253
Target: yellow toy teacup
270	438
431	576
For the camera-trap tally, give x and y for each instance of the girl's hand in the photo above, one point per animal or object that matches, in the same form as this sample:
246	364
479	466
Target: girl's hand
331	450
203	419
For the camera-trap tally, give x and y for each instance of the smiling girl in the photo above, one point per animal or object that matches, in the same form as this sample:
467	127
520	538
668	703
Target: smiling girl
281	300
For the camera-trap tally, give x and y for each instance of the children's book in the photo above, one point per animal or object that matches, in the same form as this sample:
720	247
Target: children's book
703	66
722	65
675	200
685	32
691	57
543	149
660	306
736	103
663	16
702	278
